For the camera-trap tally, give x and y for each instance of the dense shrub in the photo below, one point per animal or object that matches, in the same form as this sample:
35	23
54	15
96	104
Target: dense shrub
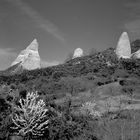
5	121
64	128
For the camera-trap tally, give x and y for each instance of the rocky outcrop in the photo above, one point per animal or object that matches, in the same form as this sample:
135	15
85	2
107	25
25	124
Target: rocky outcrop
29	58
78	53
136	55
123	49
135	45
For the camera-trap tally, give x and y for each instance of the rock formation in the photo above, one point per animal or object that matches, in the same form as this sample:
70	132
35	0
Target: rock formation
136	55
29	58
123	49
78	53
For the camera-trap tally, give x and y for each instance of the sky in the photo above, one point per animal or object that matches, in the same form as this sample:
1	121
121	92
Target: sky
61	26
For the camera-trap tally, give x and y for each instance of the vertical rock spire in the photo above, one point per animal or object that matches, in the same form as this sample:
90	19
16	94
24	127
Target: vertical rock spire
29	58
33	45
123	49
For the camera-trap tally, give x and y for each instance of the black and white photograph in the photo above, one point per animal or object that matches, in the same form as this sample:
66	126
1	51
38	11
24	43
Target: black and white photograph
69	69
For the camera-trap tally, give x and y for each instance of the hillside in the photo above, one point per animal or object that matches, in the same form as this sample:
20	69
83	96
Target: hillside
80	89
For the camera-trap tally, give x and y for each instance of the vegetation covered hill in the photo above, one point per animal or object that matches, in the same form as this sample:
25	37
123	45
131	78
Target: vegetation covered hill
88	98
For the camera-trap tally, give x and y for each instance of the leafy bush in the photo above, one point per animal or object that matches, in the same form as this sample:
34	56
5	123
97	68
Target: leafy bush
90	109
71	127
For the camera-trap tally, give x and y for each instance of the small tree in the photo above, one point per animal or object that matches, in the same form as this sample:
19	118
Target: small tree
29	116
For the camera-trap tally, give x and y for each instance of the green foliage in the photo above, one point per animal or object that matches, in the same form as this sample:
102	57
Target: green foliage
70	127
90	109
5	111
72	85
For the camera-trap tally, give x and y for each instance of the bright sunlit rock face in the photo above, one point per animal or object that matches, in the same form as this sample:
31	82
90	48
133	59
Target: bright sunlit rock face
123	49
78	53
136	55
29	58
